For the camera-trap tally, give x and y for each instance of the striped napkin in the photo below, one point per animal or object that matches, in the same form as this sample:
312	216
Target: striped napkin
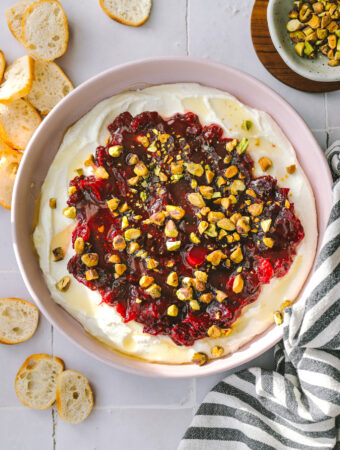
298	405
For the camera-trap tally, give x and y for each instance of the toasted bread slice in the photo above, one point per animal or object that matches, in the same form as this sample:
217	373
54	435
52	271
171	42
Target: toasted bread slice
45	30
2	65
9	163
50	85
18	121
18	79
128	12
36	381
74	396
14	15
18	320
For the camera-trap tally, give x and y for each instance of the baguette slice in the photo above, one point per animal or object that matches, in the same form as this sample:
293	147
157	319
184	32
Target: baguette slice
45	30
50	85
74	396
18	79
35	383
14	15
18	121
2	65
128	12
9	163
18	320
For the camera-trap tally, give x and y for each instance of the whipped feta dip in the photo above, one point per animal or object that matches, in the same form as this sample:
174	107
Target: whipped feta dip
53	229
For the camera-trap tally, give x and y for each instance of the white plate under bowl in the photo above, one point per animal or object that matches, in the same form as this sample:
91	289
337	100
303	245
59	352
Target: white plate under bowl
315	69
44	145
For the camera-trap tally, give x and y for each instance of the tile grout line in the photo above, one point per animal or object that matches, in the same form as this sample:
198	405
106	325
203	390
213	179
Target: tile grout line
54	425
187	27
109	408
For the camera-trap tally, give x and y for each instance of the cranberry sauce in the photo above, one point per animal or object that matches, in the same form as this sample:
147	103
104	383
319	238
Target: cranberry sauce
176	232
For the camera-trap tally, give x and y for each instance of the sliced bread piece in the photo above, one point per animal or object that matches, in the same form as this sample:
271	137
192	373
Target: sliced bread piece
18	319
18	79
45	30
9	163
36	381
74	396
18	121
50	85
14	15
128	12
2	65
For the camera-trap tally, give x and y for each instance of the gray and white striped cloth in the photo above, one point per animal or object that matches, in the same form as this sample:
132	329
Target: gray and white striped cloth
298	405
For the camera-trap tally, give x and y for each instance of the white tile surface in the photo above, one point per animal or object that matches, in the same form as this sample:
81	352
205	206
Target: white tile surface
132	412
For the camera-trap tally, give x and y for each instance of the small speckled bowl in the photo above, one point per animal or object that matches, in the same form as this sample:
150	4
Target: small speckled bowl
45	143
315	69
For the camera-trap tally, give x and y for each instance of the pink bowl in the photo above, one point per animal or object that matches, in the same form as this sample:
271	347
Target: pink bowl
44	145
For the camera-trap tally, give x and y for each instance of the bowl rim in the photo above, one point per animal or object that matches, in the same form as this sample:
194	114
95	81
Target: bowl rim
289	60
142	367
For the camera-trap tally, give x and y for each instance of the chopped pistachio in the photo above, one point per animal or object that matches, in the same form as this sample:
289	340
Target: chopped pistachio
154	291
145	281
194	169
184	293
91	274
133	247
285	305
101	172
112	204
119	242
201	276
70	212
114	259
235	217
89	160
134	180
214	331
265	163
247	124
220	296
238	284
176	212
268	242
237	256
157	218
237	185
278	318
133	159
206	191
71	190
196	199
265	225
231	172
79	172
152	263
143	140
194	183
140	169
242	225
176	168
226	224
255	209
172	279
170	229
205	210
242	145
125	223
206	298
209	175
215	216
132	234
79	245
90	259
63	284
202	226
115	151
231	145
120	269
153	147
225	202
58	254
53	203
194	238
199	358
220	181
172	311
217	351
194	305
164	137
215	257
294	25
143	196
163	177
173	245
211	231
251	193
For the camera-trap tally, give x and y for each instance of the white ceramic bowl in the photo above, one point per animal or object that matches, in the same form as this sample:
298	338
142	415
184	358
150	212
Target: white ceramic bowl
315	69
44	145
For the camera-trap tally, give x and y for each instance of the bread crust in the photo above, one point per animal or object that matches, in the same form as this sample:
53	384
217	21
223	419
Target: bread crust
59	394
118	19
26	303
23	25
2	65
3	134
6	150
35	357
10	22
24	89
